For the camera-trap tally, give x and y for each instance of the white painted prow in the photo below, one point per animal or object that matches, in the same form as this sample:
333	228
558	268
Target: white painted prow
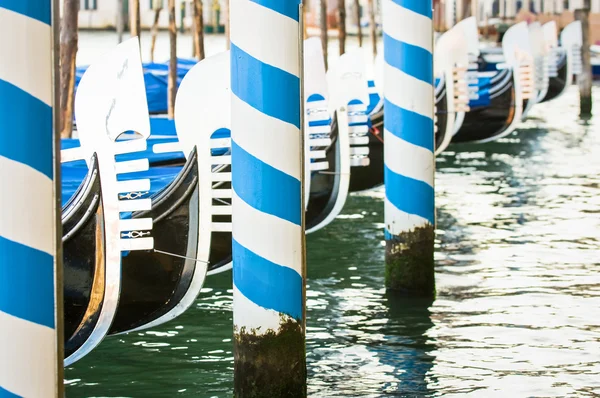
111	99
451	61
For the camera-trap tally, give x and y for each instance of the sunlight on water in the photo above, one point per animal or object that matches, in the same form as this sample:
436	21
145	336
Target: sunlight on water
518	280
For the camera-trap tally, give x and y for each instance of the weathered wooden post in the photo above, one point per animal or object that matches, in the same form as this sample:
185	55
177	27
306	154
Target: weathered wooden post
373	27
157	6
585	78
69	38
357	15
31	341
409	145
198	30
227	23
342	25
172	82
323	25
120	20
268	210
134	18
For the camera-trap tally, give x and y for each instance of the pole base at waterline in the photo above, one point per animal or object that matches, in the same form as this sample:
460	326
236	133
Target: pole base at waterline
271	364
409	265
586	108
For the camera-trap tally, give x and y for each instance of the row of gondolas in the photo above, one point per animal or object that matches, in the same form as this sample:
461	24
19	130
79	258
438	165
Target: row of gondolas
147	200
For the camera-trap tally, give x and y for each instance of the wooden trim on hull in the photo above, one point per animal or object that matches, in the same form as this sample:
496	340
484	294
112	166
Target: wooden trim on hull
83	260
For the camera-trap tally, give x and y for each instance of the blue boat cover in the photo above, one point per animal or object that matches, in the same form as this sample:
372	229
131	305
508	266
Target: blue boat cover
156	77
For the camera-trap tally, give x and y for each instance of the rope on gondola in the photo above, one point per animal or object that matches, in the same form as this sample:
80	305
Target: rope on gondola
180	256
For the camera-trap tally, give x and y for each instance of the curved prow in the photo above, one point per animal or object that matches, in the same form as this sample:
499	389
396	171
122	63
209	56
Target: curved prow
451	61
571	39
471	35
541	51
516	47
551	40
202	111
317	121
111	99
349	98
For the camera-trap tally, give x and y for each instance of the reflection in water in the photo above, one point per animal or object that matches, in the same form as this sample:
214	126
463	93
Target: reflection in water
518	278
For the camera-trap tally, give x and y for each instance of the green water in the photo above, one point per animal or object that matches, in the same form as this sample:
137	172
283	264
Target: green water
518	280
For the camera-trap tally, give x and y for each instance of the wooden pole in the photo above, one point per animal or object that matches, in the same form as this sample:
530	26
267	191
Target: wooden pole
134	18
373	27
172	84
198	30
323	25
269	294
154	33
68	53
342	25
31	318
409	186
227	35
585	78
120	23
305	6
215	21
357	13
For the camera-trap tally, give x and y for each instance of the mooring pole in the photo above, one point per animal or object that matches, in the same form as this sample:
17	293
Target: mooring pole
585	79
31	341
373	27
409	146
324	33
268	210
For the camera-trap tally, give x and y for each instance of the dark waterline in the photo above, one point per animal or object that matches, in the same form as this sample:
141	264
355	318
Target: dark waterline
518	281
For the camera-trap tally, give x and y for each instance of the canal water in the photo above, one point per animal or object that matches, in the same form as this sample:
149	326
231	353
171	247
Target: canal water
517	311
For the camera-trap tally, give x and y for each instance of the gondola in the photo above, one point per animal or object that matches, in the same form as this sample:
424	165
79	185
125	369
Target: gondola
509	91
153	279
559	82
484	122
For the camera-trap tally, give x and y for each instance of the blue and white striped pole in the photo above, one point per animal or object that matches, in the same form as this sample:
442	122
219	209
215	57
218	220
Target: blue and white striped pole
268	211
409	145
30	292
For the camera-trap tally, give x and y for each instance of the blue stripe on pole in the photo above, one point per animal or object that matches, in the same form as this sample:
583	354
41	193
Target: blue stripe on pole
412	60
267	284
409	126
265	188
289	8
26	283
410	195
7	394
423	7
24	119
270	90
39	10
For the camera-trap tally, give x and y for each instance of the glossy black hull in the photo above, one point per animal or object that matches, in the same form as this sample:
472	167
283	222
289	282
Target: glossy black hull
487	122
153	282
83	261
558	83
324	185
